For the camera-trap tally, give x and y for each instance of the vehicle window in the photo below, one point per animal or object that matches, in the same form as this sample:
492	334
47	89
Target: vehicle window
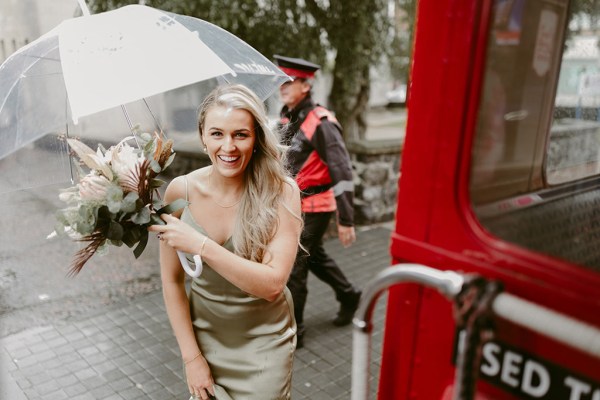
535	156
574	138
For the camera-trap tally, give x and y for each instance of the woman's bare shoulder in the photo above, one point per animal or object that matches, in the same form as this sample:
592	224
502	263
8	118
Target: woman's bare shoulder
178	186
291	194
291	188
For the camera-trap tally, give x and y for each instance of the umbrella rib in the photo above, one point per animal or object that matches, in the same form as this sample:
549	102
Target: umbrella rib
67	135
48	74
153	116
42	57
130	125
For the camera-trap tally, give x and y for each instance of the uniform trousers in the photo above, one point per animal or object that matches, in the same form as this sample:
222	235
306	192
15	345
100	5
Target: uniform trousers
319	263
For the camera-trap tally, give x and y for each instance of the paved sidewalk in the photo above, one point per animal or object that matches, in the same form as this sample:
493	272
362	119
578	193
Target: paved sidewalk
128	351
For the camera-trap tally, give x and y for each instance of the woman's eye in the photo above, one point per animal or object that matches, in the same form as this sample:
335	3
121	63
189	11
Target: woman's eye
216	133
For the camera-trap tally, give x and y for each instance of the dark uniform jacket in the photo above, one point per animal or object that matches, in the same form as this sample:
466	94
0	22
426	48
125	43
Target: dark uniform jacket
318	160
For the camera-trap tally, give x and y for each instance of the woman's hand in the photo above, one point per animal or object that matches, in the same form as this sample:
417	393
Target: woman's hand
178	234
199	379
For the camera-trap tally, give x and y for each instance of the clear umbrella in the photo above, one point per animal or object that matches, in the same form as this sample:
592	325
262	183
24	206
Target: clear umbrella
97	62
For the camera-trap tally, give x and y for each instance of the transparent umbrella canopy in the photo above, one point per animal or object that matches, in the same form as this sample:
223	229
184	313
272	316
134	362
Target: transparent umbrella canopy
94	63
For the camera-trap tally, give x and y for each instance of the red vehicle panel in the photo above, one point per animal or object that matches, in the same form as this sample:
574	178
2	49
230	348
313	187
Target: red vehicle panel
485	76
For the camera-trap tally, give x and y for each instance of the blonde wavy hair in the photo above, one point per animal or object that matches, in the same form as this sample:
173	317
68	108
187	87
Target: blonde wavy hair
265	175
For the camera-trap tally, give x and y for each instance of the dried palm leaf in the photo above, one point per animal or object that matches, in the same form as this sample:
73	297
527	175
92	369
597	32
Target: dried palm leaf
96	239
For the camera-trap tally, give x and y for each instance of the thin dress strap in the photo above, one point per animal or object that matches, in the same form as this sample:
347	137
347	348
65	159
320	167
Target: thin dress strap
186	187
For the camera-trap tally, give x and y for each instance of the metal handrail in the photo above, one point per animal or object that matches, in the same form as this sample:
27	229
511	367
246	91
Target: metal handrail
557	326
448	283
560	327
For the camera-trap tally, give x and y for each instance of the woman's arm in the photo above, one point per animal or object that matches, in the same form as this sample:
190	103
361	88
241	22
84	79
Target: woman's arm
266	280
178	310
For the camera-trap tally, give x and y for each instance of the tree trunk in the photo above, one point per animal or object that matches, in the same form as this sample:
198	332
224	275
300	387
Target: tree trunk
349	97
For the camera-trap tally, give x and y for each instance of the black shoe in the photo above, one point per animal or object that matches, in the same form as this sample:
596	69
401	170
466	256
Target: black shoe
347	310
299	341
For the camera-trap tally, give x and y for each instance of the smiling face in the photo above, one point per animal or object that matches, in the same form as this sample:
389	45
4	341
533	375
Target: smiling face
229	137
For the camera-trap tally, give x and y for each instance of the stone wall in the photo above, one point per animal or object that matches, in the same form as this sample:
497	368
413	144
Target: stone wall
376	166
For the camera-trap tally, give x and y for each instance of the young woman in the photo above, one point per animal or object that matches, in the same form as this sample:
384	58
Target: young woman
236	332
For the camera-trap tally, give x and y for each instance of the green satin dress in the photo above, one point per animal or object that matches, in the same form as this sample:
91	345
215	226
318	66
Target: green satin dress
248	342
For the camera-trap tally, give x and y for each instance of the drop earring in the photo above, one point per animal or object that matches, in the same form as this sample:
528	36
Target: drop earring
205	149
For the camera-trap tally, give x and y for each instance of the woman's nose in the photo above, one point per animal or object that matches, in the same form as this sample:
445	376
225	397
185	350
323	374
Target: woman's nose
229	143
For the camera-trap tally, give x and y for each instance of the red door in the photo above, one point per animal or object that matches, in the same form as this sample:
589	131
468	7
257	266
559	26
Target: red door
500	178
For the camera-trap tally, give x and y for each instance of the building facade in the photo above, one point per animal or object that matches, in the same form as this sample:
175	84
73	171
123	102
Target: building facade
23	21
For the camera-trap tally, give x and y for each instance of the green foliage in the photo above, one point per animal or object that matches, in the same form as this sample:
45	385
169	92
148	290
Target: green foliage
358	33
586	9
401	46
590	7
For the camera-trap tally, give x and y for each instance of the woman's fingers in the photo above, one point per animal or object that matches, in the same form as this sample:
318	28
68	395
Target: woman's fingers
157	228
211	390
204	394
161	228
167	217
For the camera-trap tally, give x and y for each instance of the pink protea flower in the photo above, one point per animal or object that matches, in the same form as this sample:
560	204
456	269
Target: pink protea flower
93	187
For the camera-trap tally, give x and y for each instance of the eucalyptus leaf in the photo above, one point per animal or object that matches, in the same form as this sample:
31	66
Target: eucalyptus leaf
129	202
156	183
59	228
96	211
156	220
115	231
169	160
60	217
141	217
83	227
157	203
114	197
103	213
146	137
132	236
155	166
137	252
172	207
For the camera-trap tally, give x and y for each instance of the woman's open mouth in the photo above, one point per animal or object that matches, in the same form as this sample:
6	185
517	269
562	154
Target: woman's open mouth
229	159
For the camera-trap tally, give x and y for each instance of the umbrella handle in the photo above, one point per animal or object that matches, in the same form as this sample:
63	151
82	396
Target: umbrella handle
84	8
194	273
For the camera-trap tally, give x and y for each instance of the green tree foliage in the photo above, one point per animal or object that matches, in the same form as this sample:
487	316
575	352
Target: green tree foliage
399	53
586	9
347	37
357	32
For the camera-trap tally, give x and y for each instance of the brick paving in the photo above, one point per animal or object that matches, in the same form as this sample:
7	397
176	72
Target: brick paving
128	352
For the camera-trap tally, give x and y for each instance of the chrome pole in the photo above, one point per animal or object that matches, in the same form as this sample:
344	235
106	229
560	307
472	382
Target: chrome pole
448	283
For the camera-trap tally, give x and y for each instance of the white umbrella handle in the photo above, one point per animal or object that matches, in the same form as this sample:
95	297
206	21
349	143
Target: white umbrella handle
194	273
84	8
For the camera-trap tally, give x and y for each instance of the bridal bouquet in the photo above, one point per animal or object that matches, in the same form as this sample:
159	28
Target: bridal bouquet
114	201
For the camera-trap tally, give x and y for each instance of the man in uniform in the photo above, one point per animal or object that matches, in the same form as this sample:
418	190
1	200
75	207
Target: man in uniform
318	160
